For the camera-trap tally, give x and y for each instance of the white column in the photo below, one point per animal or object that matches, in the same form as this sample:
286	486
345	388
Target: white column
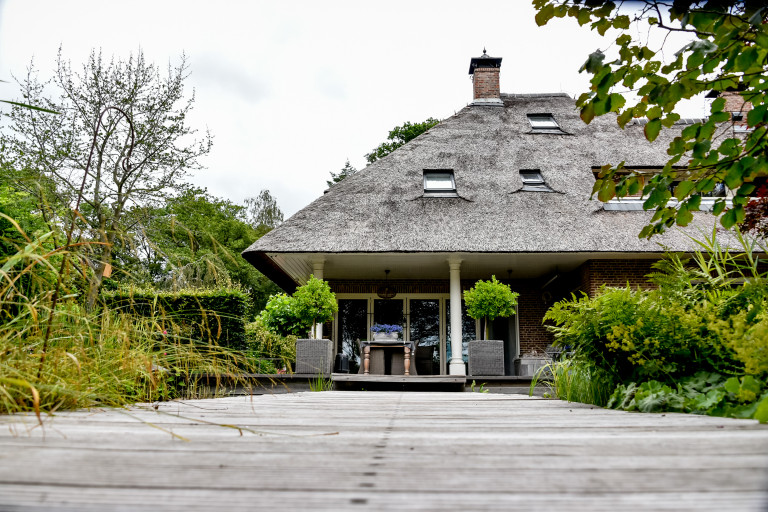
317	271
456	364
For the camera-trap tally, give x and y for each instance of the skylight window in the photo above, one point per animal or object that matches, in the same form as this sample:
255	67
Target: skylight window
439	182
533	181
544	123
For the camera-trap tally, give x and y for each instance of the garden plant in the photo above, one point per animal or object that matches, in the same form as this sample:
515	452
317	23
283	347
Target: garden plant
489	300
697	342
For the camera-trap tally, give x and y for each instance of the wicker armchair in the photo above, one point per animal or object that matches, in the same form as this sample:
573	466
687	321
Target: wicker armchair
486	357
314	357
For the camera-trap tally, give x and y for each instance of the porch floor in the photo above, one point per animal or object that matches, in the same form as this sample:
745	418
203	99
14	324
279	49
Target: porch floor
355	381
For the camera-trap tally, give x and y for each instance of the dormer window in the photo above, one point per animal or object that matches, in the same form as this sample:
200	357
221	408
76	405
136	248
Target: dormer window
544	123
439	183
533	181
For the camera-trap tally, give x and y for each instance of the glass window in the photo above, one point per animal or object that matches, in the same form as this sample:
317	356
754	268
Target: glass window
388	311
425	333
353	327
439	181
543	122
533	181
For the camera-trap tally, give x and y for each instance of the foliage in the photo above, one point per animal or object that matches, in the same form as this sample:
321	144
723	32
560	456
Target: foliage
576	381
702	393
281	318
727	53
94	358
345	172
195	240
400	135
314	302
269	348
263	213
321	383
756	215
387	328
134	162
489	300
211	316
675	347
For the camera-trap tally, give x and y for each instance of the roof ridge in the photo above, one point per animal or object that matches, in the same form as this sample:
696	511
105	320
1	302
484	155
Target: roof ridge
535	95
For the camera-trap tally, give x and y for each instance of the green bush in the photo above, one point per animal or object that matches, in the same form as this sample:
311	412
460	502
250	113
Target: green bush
702	393
268	349
312	303
697	343
489	300
280	317
201	315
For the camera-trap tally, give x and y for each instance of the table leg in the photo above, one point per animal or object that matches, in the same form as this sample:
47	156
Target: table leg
366	359
407	360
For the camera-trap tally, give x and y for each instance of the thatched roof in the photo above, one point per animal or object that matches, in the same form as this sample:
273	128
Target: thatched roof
382	208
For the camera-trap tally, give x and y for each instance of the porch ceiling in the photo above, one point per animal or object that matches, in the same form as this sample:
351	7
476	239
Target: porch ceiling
435	266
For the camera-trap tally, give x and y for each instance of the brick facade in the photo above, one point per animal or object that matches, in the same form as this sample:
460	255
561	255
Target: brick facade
735	103
619	273
531	306
486	83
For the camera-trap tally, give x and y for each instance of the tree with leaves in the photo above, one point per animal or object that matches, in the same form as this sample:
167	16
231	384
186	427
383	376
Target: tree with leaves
194	240
345	172
489	300
263	213
128	169
727	53
398	136
314	303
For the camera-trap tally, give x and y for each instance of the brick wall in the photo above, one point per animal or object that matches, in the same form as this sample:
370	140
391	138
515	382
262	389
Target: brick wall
531	307
735	103
595	273
486	83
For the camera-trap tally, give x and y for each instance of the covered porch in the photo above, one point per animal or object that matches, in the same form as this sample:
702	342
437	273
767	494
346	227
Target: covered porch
422	292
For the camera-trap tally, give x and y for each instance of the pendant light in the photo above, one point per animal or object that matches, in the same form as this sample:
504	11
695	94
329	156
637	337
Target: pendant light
386	291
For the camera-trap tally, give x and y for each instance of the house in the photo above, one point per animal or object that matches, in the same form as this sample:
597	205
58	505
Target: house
501	188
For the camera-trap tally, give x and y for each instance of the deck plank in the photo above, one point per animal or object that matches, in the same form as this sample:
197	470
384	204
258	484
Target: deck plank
380	451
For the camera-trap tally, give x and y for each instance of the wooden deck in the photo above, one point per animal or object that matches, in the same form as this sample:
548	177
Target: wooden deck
380	451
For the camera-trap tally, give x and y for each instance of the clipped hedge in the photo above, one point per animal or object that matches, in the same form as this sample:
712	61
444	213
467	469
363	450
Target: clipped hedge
205	315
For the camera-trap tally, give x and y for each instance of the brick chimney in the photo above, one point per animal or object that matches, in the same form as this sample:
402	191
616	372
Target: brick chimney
735	105
485	80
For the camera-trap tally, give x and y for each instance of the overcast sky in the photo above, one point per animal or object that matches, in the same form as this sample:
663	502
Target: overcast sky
292	89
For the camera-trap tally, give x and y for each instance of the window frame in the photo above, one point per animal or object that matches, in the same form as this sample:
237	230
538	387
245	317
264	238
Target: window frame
537	184
439	192
552	126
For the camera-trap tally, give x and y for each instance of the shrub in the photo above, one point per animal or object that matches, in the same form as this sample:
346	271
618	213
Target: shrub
279	316
489	300
268	349
697	343
314	302
207	315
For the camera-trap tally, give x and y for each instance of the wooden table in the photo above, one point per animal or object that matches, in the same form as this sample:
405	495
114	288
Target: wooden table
367	356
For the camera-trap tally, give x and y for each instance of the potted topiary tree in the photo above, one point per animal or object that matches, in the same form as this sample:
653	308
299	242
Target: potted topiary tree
314	303
487	301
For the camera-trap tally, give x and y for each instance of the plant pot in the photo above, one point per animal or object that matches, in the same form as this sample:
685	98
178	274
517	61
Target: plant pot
486	357
314	357
385	336
529	366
